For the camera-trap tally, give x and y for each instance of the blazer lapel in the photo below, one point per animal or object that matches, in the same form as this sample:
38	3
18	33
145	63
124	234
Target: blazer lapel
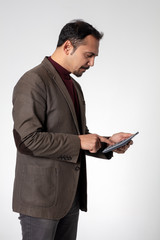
67	97
82	107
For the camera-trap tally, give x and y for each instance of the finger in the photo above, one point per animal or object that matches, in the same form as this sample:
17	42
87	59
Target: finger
127	135
106	140
96	147
119	151
131	142
124	148
93	150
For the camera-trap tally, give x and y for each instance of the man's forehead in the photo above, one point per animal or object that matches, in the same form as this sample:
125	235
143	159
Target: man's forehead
90	45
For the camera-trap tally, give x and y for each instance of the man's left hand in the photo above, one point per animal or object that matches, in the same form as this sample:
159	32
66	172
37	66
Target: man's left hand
118	137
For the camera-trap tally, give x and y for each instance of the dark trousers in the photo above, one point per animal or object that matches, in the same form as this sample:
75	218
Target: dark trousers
45	229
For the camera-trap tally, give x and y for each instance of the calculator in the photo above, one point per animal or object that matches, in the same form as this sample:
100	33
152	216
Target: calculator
119	144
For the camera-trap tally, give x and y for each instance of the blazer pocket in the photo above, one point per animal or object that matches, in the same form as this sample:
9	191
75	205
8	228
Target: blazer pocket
39	186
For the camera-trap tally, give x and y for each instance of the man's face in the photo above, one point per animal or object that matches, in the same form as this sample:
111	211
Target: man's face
83	57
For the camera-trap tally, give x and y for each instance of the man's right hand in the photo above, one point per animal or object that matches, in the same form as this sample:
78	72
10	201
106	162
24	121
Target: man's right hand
92	142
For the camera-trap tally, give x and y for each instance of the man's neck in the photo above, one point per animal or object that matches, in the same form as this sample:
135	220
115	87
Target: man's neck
57	57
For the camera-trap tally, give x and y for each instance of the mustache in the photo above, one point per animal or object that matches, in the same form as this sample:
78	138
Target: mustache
83	67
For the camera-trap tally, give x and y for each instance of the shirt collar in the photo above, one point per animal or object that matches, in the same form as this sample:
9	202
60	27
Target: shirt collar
64	73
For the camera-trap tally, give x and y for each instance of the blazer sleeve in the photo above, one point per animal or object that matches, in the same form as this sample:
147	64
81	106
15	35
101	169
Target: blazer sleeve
31	137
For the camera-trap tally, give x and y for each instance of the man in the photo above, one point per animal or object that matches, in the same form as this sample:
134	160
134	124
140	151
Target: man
52	138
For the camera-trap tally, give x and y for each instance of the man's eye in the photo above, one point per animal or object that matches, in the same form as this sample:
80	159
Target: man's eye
89	55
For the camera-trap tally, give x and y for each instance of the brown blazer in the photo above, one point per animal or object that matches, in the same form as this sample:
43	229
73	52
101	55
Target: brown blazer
49	160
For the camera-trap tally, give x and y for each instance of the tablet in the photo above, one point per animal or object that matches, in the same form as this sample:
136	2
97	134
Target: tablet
119	144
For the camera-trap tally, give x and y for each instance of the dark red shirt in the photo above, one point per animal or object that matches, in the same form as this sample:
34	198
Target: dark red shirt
65	76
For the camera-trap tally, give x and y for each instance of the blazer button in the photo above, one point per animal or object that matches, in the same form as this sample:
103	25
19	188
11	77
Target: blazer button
77	168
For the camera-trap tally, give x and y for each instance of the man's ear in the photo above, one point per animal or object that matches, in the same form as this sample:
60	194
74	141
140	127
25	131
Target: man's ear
67	47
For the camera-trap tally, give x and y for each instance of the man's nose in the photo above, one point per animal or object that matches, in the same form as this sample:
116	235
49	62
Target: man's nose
91	61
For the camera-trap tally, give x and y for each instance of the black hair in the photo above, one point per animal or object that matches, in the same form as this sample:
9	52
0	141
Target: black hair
75	31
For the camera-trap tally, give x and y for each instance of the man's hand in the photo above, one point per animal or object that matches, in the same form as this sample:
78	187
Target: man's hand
118	137
92	142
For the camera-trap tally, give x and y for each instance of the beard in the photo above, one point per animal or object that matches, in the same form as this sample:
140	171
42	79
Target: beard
80	71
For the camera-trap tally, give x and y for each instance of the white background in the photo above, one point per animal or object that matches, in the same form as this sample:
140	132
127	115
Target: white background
122	93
